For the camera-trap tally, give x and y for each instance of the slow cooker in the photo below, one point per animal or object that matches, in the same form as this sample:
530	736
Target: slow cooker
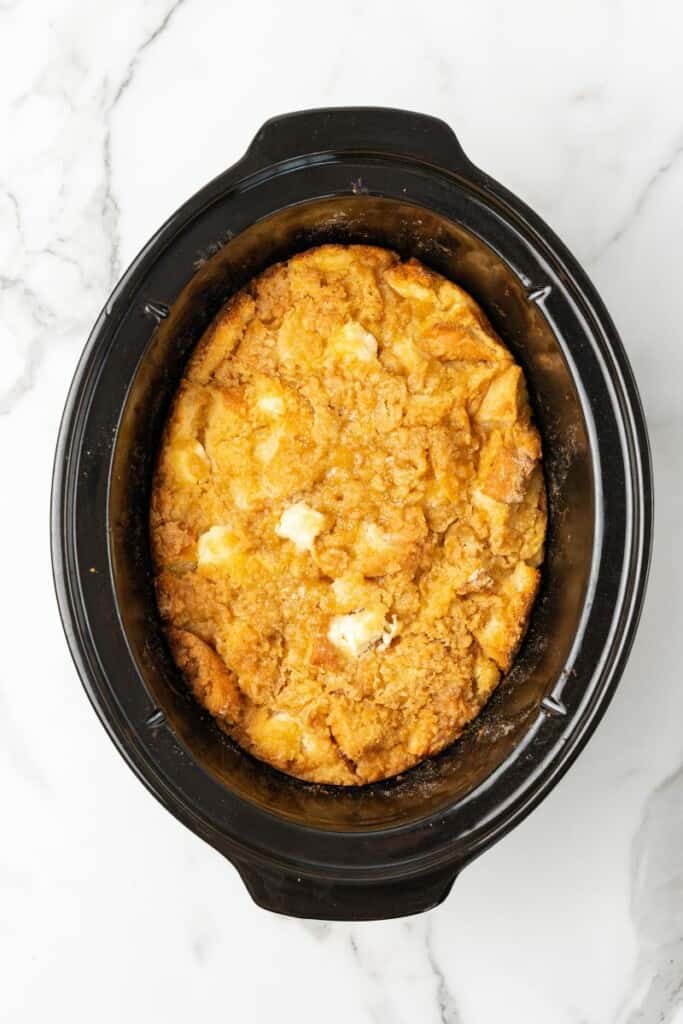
400	180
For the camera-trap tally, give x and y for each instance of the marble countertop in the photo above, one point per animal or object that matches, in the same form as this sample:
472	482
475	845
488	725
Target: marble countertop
113	113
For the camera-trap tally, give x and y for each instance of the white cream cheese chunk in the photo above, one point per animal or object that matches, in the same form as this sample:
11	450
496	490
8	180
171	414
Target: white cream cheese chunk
301	524
266	449
271	404
356	632
190	461
352	341
269	398
219	546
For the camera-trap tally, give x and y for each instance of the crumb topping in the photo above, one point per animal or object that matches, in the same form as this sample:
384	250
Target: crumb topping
348	515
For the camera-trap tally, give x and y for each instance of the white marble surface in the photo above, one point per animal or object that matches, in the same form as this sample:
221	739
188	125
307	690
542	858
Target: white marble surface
112	113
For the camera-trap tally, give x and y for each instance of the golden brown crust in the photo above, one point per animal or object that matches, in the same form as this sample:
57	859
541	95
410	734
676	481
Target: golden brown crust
212	683
347	515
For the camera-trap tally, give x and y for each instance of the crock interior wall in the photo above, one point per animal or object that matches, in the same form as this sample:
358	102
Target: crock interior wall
448	248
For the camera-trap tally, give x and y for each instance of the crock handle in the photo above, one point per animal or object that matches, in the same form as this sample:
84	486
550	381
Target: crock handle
362	129
301	896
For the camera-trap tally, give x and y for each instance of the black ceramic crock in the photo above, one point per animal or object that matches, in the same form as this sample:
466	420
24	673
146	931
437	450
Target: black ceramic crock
401	180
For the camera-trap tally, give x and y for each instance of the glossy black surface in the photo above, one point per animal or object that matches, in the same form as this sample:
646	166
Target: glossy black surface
397	179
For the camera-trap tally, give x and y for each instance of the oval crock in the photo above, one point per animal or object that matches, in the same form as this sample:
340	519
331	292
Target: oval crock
398	179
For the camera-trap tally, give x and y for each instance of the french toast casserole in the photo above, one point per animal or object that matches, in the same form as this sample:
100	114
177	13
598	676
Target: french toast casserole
348	515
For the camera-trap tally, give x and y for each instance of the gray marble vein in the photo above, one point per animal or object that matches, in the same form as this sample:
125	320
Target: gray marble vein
448	1007
643	196
109	210
379	1002
110	207
145	45
41	316
657	906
